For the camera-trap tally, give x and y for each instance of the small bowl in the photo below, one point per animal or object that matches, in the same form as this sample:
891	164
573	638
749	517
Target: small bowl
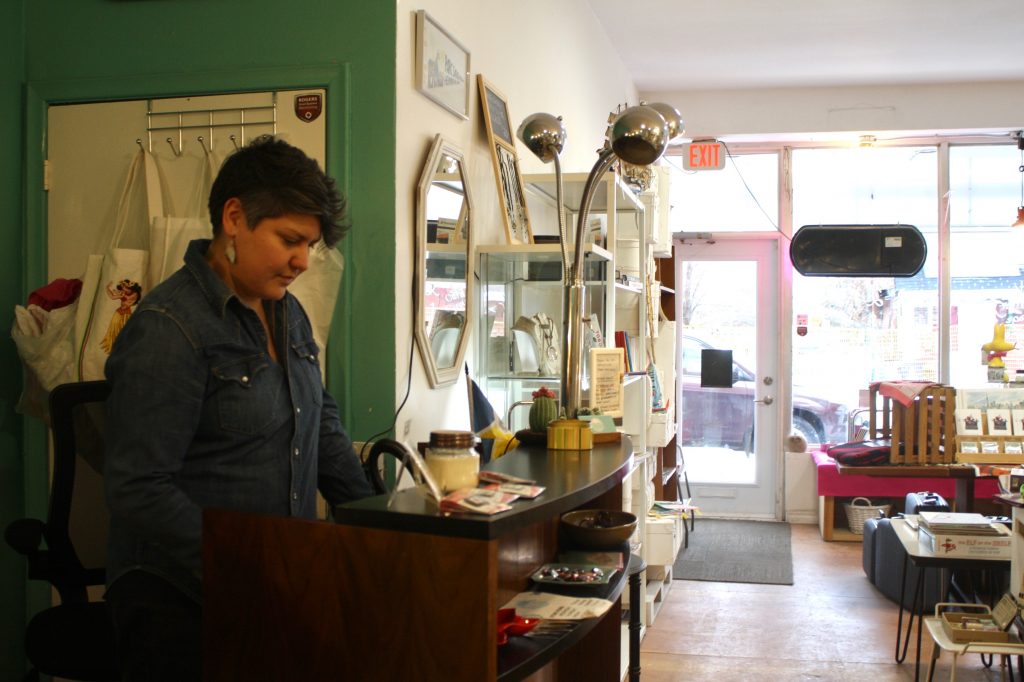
598	528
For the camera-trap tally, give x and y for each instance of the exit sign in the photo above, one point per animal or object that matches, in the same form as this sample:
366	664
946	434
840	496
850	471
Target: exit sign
704	156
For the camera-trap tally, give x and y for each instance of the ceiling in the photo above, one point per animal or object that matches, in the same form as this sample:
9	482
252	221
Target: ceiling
670	45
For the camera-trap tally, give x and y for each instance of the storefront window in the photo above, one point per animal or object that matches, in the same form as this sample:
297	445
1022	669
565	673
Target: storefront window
850	331
986	285
742	197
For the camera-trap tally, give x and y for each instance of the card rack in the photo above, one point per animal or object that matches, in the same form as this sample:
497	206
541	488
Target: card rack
1001	445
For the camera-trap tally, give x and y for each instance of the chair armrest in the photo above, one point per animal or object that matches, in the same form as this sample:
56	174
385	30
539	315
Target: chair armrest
25	536
1001	648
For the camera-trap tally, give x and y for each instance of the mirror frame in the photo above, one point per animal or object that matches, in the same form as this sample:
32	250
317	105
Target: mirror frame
441	376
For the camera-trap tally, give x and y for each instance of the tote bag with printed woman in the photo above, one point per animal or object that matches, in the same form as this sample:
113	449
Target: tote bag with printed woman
115	280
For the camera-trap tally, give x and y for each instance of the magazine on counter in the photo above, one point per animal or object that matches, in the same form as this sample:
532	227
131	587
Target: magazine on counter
477	500
518	489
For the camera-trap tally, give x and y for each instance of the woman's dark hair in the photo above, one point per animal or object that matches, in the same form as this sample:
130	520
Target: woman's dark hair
272	178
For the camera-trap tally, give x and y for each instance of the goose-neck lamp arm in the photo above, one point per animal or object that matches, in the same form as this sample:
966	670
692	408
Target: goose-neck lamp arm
574	297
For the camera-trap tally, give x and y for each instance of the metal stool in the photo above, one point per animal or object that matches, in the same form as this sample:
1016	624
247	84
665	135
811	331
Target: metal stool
636	568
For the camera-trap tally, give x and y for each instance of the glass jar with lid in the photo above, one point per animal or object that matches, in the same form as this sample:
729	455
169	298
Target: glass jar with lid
452	461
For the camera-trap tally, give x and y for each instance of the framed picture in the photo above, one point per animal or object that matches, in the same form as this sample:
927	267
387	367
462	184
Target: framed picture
442	66
511	191
968	421
1017	417
607	368
998	421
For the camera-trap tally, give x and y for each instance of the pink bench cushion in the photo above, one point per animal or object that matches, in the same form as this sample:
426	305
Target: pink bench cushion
831	484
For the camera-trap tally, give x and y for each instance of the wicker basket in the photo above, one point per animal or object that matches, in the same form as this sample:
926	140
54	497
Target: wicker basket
857	514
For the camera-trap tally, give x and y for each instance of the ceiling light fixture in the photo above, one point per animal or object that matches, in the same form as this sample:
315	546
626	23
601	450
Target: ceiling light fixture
867	140
1020	208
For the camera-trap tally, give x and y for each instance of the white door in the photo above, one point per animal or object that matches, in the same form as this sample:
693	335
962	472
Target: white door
727	300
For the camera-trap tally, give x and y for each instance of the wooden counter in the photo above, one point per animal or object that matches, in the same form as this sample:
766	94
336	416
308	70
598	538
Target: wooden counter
404	593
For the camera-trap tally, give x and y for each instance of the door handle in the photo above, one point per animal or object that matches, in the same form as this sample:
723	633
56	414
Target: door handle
767	401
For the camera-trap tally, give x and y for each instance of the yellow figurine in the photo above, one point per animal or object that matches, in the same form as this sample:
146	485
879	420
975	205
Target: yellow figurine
998	347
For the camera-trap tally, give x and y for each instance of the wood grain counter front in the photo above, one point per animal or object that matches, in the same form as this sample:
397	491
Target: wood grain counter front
404	593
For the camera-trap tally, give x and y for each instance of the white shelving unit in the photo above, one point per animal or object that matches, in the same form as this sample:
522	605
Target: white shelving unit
634	228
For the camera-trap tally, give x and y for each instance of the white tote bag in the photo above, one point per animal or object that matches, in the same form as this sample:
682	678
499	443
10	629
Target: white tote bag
317	291
115	280
169	235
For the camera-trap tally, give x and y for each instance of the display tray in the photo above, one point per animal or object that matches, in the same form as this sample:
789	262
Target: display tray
958	628
573	575
1000	449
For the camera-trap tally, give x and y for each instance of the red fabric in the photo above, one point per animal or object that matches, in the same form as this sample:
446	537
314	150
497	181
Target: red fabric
832	484
56	294
903	392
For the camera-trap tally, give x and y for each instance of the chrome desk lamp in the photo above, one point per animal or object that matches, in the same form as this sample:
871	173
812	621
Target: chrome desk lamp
638	135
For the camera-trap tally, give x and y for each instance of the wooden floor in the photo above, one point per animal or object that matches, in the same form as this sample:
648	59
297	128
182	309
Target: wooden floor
831	624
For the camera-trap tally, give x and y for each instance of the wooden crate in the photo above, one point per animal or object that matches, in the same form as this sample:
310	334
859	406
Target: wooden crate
924	432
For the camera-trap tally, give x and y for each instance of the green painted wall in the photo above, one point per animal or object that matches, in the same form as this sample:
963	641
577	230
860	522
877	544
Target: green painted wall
88	50
12	498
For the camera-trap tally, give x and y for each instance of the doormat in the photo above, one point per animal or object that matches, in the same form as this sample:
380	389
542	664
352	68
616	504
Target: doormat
737	552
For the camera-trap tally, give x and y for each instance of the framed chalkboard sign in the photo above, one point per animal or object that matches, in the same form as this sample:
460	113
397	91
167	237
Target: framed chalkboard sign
511	192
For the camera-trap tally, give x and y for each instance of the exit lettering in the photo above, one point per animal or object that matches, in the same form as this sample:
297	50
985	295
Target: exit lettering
704	156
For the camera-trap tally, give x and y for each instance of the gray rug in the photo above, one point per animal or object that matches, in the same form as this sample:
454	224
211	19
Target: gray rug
737	552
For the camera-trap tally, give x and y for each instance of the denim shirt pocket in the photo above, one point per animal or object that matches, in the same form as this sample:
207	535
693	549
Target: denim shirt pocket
306	366
244	394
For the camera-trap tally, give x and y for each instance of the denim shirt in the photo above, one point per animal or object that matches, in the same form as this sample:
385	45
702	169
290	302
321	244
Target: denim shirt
200	416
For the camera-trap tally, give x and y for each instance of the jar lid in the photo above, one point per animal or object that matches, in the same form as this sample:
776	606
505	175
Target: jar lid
452	439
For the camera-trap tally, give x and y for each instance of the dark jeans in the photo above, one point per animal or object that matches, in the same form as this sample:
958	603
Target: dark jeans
158	629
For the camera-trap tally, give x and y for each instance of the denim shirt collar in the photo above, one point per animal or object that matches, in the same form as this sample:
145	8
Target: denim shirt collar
213	287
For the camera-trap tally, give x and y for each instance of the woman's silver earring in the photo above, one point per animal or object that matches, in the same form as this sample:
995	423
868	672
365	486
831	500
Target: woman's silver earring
229	251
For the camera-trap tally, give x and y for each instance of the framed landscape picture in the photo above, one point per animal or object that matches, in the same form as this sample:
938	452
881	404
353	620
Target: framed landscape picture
442	66
501	140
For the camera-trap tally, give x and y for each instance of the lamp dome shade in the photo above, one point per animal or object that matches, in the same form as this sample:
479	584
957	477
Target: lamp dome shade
639	135
543	134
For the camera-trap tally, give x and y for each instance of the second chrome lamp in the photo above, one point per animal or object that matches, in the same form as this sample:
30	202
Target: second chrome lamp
638	135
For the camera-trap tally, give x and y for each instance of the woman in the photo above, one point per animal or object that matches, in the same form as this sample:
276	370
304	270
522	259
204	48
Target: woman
216	391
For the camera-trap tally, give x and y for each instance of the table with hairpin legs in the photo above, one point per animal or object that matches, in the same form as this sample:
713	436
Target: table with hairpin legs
924	560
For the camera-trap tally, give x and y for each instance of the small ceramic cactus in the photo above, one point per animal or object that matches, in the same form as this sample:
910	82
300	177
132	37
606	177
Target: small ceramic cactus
543	410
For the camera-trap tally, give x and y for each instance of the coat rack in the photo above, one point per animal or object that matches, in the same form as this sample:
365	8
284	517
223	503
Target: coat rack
179	121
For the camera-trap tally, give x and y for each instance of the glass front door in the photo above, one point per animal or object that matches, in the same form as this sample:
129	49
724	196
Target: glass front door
728	392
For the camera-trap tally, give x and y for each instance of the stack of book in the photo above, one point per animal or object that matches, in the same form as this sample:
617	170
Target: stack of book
958	534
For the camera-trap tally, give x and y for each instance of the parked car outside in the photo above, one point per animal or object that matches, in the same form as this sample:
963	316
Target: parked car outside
724	417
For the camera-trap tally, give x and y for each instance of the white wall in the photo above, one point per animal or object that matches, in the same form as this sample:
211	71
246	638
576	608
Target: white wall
513	45
956	106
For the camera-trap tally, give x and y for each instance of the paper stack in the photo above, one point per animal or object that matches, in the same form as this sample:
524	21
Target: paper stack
963	535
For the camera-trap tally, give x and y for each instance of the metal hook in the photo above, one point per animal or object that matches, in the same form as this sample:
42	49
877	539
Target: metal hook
203	145
138	141
177	152
233	141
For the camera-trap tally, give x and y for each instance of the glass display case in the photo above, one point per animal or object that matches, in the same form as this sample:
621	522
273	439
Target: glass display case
520	319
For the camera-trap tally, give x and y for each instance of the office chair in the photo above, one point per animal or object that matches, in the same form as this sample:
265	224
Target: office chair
75	638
